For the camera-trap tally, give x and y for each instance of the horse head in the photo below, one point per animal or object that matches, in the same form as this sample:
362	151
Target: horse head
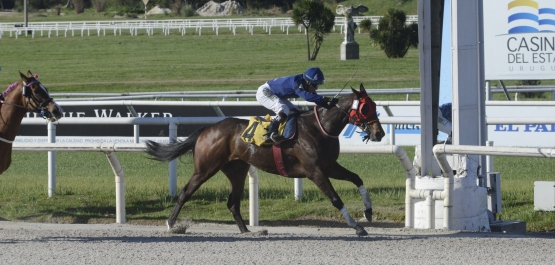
37	99
363	114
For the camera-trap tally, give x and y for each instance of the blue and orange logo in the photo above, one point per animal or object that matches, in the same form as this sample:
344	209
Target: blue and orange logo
528	16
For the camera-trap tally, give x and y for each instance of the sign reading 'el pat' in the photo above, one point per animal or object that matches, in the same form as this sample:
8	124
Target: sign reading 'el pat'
519	39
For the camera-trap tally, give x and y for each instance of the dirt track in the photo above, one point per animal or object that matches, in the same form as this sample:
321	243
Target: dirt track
32	243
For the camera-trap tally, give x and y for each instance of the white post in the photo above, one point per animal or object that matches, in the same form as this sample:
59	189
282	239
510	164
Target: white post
253	196
136	133
51	161
172	164
120	187
298	189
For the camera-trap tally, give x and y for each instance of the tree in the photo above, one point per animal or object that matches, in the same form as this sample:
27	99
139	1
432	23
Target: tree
317	20
393	35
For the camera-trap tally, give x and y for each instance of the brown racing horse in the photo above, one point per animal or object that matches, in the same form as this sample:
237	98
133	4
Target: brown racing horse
15	102
312	154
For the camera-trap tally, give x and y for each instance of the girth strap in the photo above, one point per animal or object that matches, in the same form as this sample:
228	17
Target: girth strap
278	159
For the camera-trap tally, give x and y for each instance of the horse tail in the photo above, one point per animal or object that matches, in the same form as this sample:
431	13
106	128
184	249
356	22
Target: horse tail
171	151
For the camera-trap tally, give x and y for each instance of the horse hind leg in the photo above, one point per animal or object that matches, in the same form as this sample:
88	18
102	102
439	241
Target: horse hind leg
236	172
186	192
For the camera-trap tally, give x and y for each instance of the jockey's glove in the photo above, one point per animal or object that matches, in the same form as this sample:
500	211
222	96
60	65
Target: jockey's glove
329	103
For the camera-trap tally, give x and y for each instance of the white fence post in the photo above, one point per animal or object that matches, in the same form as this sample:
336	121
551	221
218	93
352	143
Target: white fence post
298	189
253	196
51	160
120	187
173	164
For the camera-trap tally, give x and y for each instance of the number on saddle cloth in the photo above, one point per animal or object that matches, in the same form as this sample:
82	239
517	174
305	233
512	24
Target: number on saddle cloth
258	127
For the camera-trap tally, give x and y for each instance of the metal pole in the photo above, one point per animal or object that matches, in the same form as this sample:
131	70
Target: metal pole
25	13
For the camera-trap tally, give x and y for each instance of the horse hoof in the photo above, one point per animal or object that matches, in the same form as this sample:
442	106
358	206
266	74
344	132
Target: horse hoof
368	214
361	231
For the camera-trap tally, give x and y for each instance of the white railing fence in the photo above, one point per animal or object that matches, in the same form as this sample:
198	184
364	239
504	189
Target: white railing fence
164	27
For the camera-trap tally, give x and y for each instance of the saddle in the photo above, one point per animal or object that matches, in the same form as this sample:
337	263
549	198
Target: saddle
258	127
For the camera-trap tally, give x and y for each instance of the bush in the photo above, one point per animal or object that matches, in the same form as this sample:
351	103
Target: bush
366	25
188	11
393	35
176	7
99	5
79	6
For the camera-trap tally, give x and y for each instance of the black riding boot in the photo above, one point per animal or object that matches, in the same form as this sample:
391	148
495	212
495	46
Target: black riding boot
273	137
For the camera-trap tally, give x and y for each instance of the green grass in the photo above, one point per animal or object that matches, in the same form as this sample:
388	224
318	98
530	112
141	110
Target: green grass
184	63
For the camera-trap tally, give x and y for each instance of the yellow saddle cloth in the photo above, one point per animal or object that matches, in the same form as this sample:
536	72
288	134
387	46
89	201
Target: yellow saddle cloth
257	128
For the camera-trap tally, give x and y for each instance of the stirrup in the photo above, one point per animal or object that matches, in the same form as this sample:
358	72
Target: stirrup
277	138
268	140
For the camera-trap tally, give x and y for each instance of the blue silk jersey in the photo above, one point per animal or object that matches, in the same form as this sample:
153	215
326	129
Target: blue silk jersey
292	87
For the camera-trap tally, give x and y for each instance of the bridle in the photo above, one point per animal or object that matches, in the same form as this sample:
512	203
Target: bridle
361	110
27	92
36	105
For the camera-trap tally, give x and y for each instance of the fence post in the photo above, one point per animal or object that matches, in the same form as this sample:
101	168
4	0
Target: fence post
253	196
173	164
298	189
120	187
51	160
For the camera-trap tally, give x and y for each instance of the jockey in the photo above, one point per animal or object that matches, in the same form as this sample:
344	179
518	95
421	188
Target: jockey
274	95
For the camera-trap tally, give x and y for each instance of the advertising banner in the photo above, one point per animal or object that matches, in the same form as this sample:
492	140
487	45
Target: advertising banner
405	134
519	39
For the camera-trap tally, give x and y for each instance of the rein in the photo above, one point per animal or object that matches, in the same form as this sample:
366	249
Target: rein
354	119
320	124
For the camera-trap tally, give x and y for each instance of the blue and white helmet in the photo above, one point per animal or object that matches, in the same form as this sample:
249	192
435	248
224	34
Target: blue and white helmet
314	76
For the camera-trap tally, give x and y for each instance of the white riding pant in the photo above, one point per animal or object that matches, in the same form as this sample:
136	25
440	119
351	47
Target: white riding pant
270	101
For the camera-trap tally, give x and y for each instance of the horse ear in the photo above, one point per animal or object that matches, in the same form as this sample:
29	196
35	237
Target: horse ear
354	91
362	90
29	74
23	77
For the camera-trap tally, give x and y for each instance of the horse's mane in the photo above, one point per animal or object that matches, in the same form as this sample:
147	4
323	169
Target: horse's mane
8	90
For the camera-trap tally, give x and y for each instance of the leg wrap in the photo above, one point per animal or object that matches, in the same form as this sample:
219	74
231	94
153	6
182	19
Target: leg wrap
350	221
365	197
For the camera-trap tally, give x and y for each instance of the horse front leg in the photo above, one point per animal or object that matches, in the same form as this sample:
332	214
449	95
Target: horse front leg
367	202
336	171
325	186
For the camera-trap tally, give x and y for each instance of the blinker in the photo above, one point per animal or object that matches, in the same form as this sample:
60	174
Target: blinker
355	104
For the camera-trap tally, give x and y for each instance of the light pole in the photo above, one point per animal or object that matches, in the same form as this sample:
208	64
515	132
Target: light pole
25	16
